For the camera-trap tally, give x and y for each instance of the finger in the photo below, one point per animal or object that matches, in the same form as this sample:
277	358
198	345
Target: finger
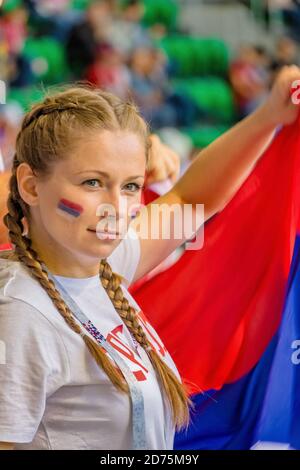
157	173
170	169
176	165
164	162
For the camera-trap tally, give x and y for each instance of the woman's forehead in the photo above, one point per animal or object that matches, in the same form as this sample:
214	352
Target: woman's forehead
109	152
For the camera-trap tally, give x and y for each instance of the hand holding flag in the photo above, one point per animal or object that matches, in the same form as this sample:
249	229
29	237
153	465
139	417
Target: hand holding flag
279	106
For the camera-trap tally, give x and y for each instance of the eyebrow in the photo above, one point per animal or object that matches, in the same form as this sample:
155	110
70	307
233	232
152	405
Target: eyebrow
106	175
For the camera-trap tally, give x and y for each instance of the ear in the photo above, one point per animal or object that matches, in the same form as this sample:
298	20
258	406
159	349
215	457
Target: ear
27	184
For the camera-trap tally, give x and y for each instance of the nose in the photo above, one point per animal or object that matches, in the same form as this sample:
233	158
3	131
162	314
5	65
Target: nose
113	209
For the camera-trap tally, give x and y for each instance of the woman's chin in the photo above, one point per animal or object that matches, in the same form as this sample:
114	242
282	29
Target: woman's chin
101	248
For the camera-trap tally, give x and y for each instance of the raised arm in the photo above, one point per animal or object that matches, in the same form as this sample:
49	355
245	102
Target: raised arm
219	170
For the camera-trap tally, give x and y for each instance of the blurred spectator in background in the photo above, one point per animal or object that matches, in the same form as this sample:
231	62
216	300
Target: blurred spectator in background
20	71
286	54
151	91
291	16
126	32
52	18
61	17
13	32
147	92
48	8
4	57
85	37
109	72
250	78
13	25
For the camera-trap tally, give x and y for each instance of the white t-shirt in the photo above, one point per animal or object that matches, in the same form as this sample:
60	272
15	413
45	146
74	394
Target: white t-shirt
53	395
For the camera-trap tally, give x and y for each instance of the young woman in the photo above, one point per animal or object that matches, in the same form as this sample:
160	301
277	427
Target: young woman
80	366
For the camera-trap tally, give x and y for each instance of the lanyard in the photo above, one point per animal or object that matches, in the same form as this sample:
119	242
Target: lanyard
136	395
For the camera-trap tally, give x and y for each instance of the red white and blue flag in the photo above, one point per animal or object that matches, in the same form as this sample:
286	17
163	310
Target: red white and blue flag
229	314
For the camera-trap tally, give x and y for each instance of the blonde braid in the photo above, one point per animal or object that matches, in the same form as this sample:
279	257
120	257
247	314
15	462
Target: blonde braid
24	253
175	391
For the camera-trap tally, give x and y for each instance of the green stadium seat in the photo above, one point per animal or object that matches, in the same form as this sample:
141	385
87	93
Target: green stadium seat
202	136
80	4
10	5
164	12
25	97
195	56
211	94
47	58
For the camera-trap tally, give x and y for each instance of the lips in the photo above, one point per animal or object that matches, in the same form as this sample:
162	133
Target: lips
104	232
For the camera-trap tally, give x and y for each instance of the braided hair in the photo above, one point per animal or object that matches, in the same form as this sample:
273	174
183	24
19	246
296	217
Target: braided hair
47	131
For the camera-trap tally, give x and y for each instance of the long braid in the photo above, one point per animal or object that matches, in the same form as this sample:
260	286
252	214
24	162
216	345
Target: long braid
24	253
175	391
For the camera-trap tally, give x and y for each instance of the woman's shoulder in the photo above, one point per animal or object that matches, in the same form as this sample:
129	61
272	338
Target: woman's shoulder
32	350
26	310
10	270
19	288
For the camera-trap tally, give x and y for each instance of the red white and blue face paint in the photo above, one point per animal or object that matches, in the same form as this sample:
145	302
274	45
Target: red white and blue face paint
69	208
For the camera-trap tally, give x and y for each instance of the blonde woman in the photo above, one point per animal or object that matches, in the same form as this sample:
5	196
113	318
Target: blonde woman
81	368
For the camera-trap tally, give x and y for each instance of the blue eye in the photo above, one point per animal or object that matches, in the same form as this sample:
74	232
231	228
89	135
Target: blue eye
133	187
130	187
89	183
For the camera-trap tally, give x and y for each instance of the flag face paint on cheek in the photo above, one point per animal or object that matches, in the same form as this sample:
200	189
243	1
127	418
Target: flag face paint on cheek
70	208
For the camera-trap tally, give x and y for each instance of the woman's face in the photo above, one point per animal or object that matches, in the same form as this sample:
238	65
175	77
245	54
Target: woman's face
89	193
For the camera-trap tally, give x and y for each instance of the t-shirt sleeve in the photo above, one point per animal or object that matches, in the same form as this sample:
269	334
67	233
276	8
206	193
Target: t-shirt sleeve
33	364
125	258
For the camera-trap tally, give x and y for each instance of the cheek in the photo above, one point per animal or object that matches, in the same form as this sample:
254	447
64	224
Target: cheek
60	210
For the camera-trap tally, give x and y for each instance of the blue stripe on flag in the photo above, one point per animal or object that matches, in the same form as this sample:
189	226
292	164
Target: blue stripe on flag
265	404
